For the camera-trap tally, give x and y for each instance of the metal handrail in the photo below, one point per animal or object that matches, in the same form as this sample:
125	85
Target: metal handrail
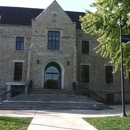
93	95
29	86
98	97
75	87
4	95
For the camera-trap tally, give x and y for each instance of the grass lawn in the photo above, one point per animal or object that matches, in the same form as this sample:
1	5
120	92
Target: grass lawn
14	123
110	123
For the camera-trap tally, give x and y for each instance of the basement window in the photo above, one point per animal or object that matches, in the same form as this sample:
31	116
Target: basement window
110	97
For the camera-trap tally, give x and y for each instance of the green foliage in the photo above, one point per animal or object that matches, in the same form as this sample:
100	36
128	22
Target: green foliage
11	123
110	123
103	23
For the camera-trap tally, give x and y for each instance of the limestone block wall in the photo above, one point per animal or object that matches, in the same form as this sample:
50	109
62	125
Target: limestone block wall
40	27
9	54
70	50
97	69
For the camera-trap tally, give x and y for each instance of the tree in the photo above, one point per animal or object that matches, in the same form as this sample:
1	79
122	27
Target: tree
104	23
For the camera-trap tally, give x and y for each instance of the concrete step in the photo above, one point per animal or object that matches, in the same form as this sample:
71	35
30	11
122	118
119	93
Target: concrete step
50	97
51	91
52	105
41	99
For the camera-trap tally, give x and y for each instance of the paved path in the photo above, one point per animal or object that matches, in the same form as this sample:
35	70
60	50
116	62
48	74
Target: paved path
62	119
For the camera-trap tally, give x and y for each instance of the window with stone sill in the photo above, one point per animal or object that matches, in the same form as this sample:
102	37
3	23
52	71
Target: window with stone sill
19	43
53	40
54	17
18	68
85	73
129	77
109	74
85	47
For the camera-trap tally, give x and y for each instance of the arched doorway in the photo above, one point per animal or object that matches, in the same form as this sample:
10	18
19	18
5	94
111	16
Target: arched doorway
52	76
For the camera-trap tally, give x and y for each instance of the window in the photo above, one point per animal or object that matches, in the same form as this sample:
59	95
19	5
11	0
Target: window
54	17
85	47
19	43
129	77
53	40
18	71
85	73
109	75
109	97
52	73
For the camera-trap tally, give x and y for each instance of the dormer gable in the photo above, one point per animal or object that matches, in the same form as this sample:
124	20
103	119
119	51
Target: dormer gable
54	13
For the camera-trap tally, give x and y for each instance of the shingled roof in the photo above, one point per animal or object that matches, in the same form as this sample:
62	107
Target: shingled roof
23	16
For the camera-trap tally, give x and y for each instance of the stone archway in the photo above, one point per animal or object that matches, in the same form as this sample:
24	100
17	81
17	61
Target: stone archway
52	76
45	63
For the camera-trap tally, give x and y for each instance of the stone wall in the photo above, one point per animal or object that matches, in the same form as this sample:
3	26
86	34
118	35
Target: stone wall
70	51
9	54
40	27
97	70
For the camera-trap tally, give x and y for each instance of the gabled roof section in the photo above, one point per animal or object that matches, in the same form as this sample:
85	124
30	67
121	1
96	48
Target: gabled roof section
75	17
24	16
54	7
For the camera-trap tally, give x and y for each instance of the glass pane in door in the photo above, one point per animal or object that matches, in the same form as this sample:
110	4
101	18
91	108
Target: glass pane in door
51	78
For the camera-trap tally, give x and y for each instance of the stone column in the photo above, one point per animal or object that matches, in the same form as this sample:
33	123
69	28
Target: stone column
8	89
75	64
28	69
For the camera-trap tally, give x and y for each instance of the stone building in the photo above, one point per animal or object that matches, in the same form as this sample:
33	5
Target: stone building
49	48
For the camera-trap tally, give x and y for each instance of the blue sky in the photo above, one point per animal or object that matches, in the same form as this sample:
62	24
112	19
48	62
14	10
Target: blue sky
68	5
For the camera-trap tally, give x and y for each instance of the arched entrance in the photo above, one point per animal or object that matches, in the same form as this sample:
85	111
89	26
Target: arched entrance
52	76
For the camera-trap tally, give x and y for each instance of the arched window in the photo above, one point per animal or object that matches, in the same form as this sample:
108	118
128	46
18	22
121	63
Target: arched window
52	76
51	73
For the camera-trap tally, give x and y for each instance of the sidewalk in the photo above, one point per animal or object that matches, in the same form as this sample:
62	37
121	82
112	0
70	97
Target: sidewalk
62	119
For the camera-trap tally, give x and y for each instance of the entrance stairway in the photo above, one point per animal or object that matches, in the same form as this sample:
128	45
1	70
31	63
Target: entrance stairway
45	99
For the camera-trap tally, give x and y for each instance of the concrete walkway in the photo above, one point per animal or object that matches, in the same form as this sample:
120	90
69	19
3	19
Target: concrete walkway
62	119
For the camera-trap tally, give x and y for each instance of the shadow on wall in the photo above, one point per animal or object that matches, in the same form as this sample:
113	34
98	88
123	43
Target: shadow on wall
2	90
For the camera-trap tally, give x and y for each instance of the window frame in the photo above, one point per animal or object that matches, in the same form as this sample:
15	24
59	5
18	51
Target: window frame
129	78
109	75
85	49
53	40
88	75
16	71
54	16
18	61
110	98
19	46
